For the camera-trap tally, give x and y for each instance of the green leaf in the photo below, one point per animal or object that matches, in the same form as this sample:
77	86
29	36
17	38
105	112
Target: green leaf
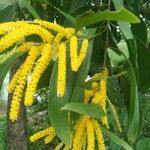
143	61
26	4
45	78
116	139
89	17
143	144
133	116
58	118
92	110
8	13
5	4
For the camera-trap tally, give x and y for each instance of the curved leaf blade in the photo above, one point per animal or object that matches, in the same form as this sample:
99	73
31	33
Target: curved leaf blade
116	139
89	17
92	110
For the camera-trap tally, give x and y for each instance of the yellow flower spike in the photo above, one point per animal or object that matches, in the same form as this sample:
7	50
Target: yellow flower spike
77	59
40	67
42	134
68	32
115	115
83	51
49	25
96	98
103	95
11	26
26	46
73	53
21	82
14	110
61	78
87	95
66	147
59	146
18	34
49	138
79	132
15	78
90	136
95	86
58	38
99	135
53	26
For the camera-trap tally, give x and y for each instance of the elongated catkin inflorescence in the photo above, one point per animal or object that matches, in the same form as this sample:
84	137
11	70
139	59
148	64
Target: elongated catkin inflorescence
59	146
19	34
99	135
11	26
77	57
103	95
48	134
90	136
38	70
20	82
79	133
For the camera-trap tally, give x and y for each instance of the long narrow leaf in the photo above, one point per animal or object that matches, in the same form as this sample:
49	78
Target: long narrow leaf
116	139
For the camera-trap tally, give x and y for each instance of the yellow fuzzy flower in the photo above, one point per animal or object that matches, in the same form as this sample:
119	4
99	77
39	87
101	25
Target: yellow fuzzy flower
103	95
38	70
83	51
87	95
25	46
49	138
90	136
59	146
77	59
19	34
99	135
115	115
66	147
11	26
48	134
95	86
73	53
14	110
53	26
21	82
79	133
61	78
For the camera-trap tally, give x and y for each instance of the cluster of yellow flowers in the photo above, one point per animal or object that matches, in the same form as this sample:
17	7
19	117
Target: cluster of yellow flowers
48	135
98	93
39	55
86	128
